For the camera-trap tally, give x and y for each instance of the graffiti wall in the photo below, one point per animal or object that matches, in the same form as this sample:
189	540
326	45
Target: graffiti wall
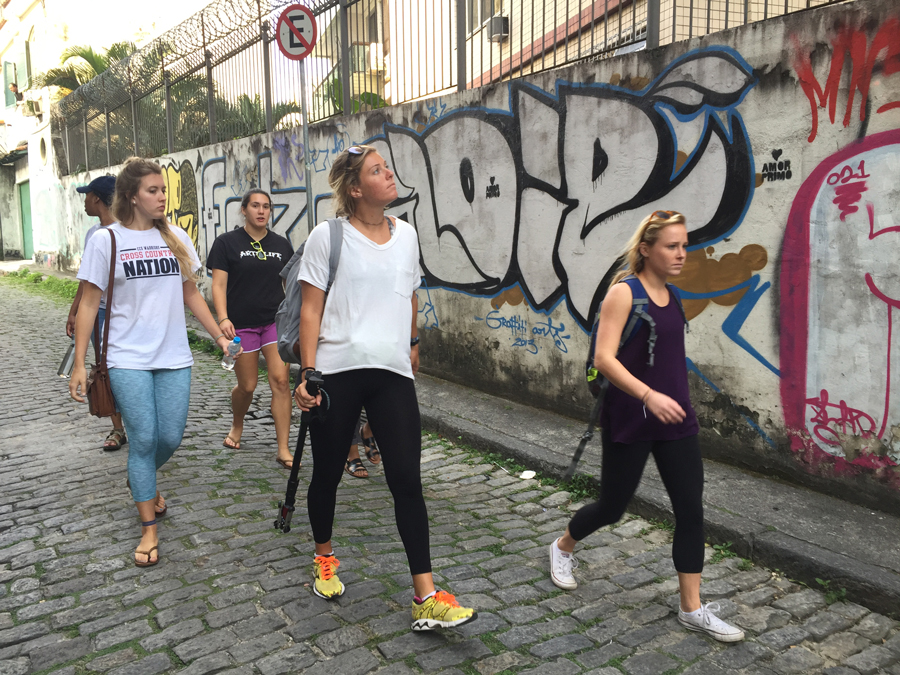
780	142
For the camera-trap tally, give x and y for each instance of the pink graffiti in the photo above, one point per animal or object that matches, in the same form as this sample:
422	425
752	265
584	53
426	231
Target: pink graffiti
848	421
847	195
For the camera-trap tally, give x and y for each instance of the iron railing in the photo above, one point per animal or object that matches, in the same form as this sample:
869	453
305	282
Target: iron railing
219	75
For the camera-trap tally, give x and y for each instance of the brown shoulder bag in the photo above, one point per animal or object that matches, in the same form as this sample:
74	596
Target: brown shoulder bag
98	390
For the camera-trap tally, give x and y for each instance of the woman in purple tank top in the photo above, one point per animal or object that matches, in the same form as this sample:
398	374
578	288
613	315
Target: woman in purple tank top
647	410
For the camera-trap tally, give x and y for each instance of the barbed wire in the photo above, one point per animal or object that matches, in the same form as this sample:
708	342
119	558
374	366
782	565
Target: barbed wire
220	27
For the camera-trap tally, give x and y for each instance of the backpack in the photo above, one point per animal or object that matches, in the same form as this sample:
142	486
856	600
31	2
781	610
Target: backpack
596	382
287	318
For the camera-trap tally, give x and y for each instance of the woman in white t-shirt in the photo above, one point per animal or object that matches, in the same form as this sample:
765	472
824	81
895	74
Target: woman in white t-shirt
364	341
148	356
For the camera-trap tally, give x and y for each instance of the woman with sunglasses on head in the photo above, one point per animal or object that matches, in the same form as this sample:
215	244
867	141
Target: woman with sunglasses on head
362	337
148	355
647	409
247	290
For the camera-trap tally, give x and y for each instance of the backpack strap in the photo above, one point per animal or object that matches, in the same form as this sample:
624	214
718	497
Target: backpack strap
639	313
336	229
677	294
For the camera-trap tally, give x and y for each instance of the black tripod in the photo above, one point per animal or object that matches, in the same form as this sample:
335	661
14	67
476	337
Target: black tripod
286	508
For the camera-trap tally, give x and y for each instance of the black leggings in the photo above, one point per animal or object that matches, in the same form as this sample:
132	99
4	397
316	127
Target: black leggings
681	470
393	412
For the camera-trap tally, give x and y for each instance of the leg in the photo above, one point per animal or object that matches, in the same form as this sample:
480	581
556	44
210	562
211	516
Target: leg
134	394
247	370
173	397
281	400
393	412
681	469
620	474
330	440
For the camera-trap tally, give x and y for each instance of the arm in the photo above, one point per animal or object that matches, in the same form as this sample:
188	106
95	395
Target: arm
84	323
220	301
310	323
195	302
614	314
70	322
414	331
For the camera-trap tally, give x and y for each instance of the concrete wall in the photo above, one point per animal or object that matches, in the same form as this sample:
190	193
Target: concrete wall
524	193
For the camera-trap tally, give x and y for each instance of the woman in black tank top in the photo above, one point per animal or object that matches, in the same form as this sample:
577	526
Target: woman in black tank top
647	410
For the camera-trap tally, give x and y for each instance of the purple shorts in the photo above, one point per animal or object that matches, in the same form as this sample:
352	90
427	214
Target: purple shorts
253	339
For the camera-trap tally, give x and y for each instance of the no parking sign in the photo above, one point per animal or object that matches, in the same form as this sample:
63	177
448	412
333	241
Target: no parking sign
296	32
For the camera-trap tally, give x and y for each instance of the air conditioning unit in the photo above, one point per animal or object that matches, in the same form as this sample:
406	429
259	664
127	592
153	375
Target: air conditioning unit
376	56
498	28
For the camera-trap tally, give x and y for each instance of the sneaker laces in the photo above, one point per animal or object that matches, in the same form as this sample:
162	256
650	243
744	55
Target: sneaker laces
328	564
709	609
566	563
446	598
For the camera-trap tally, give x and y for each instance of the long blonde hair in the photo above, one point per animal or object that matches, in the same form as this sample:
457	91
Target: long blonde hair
344	176
646	233
127	184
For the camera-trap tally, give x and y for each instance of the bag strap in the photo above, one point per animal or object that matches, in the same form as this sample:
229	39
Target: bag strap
101	356
336	229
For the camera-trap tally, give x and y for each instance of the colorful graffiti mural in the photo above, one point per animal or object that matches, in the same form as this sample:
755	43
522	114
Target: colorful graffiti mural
181	199
839	290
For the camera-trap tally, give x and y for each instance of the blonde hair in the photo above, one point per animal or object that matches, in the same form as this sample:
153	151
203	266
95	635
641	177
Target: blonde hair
128	182
344	176
646	233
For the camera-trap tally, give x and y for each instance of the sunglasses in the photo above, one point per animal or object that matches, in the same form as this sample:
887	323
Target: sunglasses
663	214
260	253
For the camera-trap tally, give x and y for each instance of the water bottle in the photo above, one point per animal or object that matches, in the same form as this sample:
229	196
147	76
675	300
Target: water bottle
233	348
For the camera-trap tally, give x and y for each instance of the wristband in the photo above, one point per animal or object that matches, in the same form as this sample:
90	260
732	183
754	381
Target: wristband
216	339
221	320
303	370
414	341
646	396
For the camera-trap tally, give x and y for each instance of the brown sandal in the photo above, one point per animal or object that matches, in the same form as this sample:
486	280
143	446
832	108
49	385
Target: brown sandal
148	563
117	437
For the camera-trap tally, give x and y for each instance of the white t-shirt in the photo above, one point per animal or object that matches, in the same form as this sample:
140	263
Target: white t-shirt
368	312
87	238
147	330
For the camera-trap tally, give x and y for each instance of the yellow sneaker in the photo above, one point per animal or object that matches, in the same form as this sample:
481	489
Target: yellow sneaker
327	584
441	610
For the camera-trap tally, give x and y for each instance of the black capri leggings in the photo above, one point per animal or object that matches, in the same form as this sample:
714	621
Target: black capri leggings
393	413
681	470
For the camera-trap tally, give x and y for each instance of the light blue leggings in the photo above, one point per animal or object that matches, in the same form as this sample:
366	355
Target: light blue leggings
154	407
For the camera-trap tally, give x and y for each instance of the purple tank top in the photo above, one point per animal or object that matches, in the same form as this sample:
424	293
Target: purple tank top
623	415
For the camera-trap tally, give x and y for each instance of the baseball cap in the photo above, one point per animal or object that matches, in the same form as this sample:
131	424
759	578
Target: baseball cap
103	187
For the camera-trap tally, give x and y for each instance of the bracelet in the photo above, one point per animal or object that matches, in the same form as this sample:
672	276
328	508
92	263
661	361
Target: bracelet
414	341
221	320
646	396
216	339
303	370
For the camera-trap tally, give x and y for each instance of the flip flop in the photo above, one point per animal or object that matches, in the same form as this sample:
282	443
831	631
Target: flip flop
235	445
354	465
148	563
159	514
286	463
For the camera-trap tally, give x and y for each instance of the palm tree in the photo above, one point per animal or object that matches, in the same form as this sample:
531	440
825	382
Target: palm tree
79	65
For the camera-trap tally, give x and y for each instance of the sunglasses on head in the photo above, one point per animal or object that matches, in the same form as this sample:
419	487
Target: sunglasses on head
356	149
663	214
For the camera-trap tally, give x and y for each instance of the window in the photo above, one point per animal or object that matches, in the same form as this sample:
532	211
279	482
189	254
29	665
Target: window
9	76
479	11
372	27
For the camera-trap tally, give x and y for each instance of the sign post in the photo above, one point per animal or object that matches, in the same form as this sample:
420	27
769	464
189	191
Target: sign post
296	33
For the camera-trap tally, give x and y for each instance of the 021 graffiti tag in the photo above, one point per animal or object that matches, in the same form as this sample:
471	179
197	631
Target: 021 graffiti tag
579	169
839	293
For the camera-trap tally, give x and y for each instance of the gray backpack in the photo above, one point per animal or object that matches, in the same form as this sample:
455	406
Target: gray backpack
287	318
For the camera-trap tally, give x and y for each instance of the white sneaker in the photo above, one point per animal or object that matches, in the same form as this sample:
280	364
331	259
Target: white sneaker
561	566
704	621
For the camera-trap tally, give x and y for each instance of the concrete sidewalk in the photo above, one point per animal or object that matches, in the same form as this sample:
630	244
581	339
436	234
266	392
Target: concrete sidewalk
805	534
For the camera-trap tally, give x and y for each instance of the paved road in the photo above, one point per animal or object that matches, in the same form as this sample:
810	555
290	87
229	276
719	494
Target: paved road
232	595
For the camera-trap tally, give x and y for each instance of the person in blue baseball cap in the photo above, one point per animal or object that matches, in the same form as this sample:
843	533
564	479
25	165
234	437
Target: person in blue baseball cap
98	197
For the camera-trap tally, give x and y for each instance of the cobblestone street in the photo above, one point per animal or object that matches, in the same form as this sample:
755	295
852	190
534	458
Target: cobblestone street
233	595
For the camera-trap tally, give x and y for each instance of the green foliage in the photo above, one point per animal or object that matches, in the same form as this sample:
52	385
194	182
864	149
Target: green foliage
80	64
722	551
202	345
367	98
832	595
745	565
662	524
50	285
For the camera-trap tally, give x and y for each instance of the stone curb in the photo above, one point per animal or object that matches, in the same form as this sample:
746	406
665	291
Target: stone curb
866	584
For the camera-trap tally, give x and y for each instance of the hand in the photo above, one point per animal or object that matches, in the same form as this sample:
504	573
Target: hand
664	408
228	328
222	343
78	380
304	400
70	325
414	358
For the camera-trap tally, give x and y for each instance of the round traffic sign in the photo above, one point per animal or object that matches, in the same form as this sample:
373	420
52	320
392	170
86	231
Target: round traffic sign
296	32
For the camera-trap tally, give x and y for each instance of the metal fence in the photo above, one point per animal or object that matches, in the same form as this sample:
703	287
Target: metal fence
220	75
